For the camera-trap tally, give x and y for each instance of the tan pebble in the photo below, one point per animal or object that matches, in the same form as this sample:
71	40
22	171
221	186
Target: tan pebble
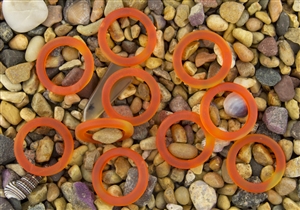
223	202
19	73
53	192
97	11
148	143
49	35
69	53
225	174
44	150
218	52
273	99
3	122
178	133
297	62
59	113
63	29
228	189
75	173
275	9
243	52
169	12
204	57
293	109
70	65
285	186
162	169
261	103
136	105
122	166
167	182
135	31
90	29
116	32
182	13
286	54
41	106
265	206
183	31
274	198
169	196
245	37
297	147
183	151
253	8
228	33
270	62
12	97
19	42
231	11
160	201
60	203
214	115
257	37
55	97
213	179
100	204
245	82
290	204
287	147
215	163
115	190
27	114
254	24
216	23
153	62
78	154
108	135
189	50
268	30
244	170
110	177
263	16
10	113
266	172
190	68
71	99
262	155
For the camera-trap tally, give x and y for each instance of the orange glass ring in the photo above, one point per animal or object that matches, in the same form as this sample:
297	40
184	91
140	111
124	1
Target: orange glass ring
81	129
209	125
140	187
63	161
136	14
256	187
165	153
42	58
128	72
206	35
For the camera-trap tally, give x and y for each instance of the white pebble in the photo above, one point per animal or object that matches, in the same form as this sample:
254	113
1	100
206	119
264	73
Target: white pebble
34	47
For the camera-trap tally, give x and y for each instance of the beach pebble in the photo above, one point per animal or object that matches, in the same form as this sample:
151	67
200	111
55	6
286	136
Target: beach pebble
179	104
286	186
54	15
171	206
290	204
10	113
112	5
19	73
282	24
261	155
276	119
267	76
182	195
12	97
27	114
268	46
293	34
169	12
285	89
7	54
293	168
202	195
245	82
182	14
5	204
44	150
245	69
218	52
295	131
22	16
231	11
6	149
183	151
216	23
34	46
243	52
286	53
90	29
293	109
8	84
6	34
245	37
197	16
38	195
274	8
156	6
41	106
19	42
77	12
213	179
108	135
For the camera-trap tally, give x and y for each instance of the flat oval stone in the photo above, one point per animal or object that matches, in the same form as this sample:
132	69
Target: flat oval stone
267	76
22	16
183	151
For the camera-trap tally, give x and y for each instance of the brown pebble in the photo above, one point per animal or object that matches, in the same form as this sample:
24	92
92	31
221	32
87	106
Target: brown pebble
243	52
262	155
213	179
183	151
72	77
178	133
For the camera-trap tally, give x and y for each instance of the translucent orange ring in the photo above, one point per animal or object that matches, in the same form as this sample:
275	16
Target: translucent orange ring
209	125
42	58
63	161
207	35
136	14
154	89
165	153
82	128
140	187
256	187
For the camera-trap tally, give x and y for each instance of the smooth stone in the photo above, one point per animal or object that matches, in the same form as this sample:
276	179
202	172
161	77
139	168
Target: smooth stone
213	179
276	119
202	195
267	76
9	85
181	17
243	52
25	15
183	151
290	204
274	8
286	186
245	37
38	195
196	16
39	206
245	69
295	131
285	89
112	5
75	173
231	11
54	15
70	121
12	97
6	150
178	104
90	29
292	169
31	86
261	155
77	12
5	204
108	135
293	109
44	150
268	46
41	106
6	34
19	73
27	114
19	42
216	23
293	34
286	54
10	113
218	52
131	181
282	24
7	54
156	6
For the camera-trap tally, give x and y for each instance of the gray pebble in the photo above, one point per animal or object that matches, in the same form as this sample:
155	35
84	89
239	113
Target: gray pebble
295	131
7	54
1	44
6	150
282	24
159	22
140	132
129	46
156	6
39	206
267	76
38	31
179	104
285	89
276	119
5	204
6	34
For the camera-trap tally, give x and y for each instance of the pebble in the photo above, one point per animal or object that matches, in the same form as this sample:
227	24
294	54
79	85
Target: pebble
267	76
5	204
79	195
39	206
139	5
243	52
44	150
70	121
53	192
38	195
183	151
254	24
7	54
10	113
274	197
216	23
290	204
31	86
54	15
292	168
295	131
159	21
131	181
274	8
293	34
182	13
182	195
171	206
12	97
26	15
243	199
178	103
169	13
286	54
263	16
77	12
34	46
196	16
268	46
218	52
245	69
245	37
153	62
202	195
169	196
213	179
204	57
41	106
285	89
262	155
293	109
72	77
163	169
156	6
90	29
245	82
112	5
286	186
9	85
282	24
75	173
19	73
159	50
6	150
243	19
231	11
6	33
276	119
19	42
148	143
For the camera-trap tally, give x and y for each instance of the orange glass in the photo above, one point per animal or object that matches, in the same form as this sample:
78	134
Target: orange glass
207	35
256	187
81	129
138	15
165	153
154	89
63	161
140	187
209	125
42	58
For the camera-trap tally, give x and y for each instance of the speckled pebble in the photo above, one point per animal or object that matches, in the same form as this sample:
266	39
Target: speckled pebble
267	76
